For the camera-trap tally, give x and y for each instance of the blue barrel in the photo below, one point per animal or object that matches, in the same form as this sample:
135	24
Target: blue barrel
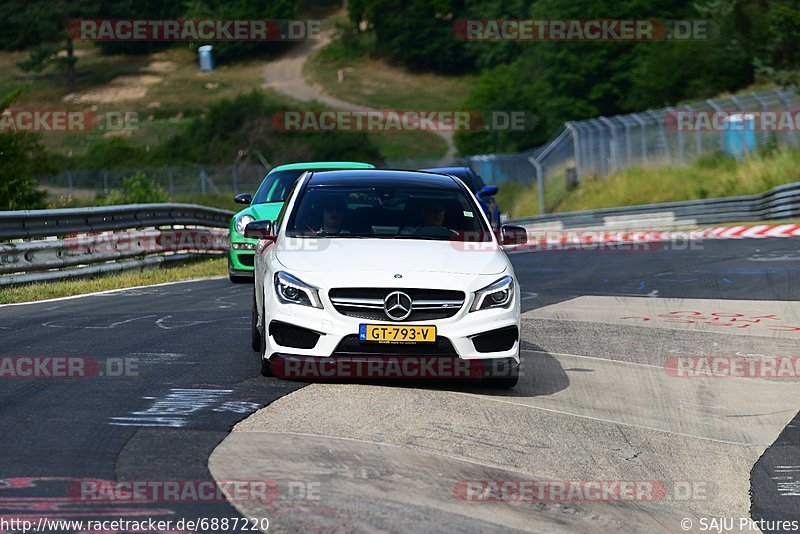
206	53
740	134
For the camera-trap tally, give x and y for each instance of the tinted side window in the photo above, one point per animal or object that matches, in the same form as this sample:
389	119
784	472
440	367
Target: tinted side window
281	213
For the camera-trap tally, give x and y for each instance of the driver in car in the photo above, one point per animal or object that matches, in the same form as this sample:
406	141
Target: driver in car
332	217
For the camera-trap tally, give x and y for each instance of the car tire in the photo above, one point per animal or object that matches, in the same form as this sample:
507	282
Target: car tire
239	279
255	335
507	381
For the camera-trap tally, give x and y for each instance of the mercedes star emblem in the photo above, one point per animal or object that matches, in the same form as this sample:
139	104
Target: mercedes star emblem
397	306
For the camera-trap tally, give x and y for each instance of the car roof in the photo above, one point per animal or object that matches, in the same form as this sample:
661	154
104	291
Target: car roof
457	171
376	177
312	165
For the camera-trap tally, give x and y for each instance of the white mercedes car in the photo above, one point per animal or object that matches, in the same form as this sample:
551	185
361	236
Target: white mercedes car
367	273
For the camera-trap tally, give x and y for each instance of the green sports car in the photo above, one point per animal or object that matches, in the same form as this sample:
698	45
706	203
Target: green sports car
266	204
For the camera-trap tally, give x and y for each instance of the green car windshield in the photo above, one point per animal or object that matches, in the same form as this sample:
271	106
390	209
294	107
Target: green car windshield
277	185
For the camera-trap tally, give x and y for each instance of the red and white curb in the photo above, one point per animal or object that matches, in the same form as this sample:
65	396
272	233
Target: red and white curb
562	239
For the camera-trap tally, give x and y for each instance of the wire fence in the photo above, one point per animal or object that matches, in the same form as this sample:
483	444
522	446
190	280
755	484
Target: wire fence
596	148
176	181
579	150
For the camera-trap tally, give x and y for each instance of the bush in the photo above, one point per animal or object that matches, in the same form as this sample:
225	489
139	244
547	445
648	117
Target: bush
136	189
233	129
112	152
22	158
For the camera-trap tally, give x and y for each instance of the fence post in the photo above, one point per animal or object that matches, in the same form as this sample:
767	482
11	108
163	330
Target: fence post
539	183
613	149
603	149
788	101
697	133
718	109
575	149
661	134
764	133
642	135
679	135
628	141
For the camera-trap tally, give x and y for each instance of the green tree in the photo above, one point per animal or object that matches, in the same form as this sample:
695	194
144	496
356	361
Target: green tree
504	88
418	33
22	158
779	60
40	26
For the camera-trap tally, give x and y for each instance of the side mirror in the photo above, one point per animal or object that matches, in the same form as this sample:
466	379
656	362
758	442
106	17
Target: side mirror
510	235
488	191
243	198
259	230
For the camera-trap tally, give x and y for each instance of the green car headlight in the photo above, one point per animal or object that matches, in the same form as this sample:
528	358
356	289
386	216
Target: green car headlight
242	221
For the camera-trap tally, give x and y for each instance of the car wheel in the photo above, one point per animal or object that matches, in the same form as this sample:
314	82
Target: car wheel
255	335
506	381
240	279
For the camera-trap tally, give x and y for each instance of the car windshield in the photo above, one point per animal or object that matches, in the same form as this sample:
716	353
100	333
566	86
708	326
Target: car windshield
403	212
276	185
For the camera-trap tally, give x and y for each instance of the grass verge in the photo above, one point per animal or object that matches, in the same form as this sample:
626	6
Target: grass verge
207	268
711	176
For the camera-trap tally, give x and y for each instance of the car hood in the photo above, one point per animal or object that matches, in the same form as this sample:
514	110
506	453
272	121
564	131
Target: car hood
396	255
265	211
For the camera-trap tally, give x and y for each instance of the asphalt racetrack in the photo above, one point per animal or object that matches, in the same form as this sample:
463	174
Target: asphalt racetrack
610	339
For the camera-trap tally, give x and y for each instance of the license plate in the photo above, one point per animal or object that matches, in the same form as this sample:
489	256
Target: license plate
397	334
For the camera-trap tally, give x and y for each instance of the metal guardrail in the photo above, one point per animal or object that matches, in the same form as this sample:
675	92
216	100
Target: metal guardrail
782	202
81	242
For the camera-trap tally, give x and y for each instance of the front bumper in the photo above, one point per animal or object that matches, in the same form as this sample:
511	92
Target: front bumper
325	333
295	367
240	262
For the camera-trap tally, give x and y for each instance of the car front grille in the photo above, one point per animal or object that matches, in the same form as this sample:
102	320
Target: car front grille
246	258
351	345
367	303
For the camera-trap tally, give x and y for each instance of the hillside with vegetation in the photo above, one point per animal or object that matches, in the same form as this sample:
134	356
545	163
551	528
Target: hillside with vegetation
383	55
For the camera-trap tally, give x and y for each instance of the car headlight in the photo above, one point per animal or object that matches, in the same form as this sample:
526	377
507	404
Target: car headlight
499	294
242	221
291	290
